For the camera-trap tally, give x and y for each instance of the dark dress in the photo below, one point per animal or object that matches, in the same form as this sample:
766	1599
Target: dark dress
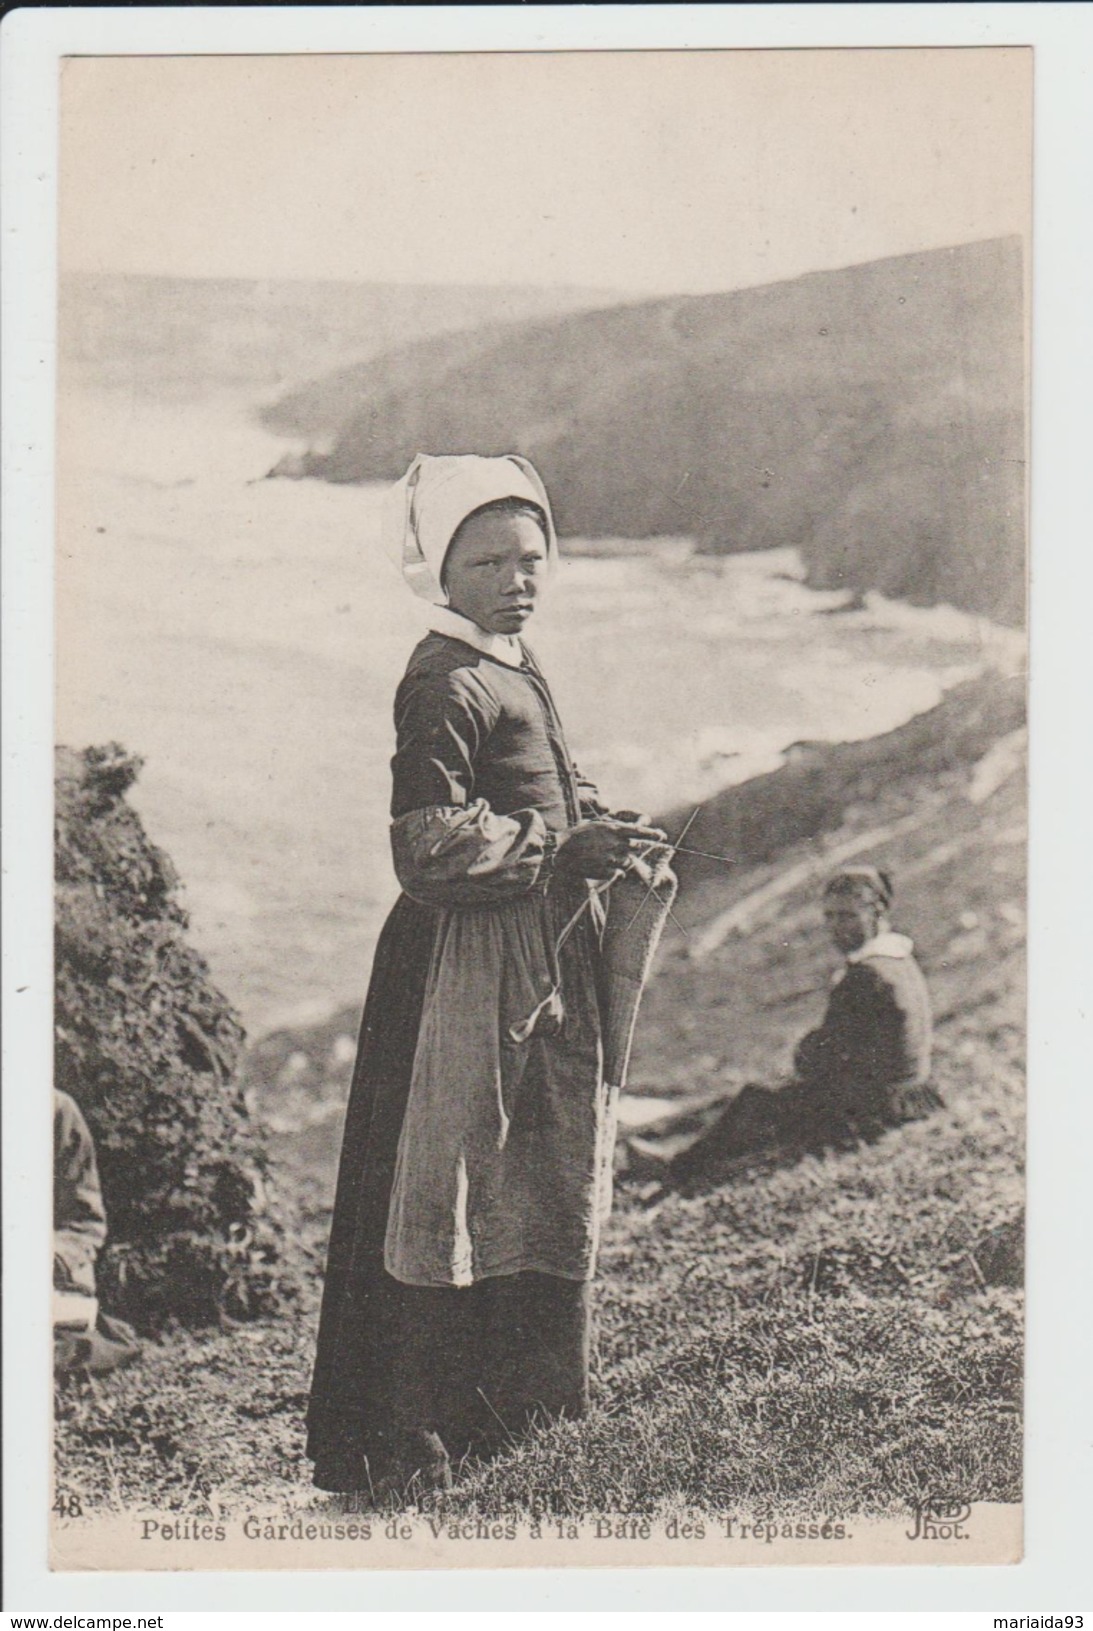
405	1371
865	1068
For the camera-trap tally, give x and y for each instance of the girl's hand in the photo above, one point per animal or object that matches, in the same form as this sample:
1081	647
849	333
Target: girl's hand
598	849
651	835
635	818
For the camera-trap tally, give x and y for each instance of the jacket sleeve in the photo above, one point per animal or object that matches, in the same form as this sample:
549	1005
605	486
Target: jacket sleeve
449	847
588	796
860	1040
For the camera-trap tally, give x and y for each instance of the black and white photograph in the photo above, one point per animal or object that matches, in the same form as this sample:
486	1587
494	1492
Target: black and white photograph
540	797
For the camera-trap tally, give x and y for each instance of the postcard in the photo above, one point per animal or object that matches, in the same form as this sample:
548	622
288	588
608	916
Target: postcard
540	809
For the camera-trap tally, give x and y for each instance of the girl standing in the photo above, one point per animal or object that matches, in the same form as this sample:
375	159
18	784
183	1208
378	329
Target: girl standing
478	1140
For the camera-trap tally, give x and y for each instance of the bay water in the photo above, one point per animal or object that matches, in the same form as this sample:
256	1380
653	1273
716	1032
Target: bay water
245	637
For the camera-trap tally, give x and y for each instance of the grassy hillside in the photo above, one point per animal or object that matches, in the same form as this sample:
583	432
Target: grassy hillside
872	417
839	1336
184	337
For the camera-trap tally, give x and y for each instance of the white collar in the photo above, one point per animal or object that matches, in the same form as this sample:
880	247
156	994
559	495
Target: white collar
503	648
883	945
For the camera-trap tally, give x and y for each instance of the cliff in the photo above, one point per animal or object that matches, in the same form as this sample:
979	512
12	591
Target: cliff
873	417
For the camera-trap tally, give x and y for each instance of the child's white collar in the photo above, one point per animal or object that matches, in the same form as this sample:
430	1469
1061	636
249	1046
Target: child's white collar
883	945
503	648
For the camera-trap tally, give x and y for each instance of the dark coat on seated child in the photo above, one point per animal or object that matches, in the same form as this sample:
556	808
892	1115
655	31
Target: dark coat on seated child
864	1068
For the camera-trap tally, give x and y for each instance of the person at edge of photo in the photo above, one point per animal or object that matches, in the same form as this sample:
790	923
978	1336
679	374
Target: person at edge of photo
477	1149
865	1067
85	1338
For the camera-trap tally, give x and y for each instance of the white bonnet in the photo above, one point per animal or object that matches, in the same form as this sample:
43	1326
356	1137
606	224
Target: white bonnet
437	493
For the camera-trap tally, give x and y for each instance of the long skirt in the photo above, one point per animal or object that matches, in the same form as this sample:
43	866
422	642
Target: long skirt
470	1366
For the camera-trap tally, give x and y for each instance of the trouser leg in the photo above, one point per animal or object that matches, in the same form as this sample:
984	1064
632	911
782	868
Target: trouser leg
756	1119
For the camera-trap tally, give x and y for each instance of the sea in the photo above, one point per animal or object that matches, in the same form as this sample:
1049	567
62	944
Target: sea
244	637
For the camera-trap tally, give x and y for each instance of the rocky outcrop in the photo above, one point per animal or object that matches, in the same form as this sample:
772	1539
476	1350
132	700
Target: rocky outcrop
148	1047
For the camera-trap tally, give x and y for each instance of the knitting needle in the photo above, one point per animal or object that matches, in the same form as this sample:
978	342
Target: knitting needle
690	821
678	924
681	849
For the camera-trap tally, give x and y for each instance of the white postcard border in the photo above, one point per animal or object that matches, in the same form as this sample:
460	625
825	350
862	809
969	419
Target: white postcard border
1059	1487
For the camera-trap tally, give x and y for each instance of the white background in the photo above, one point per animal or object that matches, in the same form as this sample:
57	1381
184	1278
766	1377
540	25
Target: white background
1059	1489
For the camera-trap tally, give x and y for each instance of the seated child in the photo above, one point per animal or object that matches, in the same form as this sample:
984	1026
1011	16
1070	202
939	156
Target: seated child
864	1068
